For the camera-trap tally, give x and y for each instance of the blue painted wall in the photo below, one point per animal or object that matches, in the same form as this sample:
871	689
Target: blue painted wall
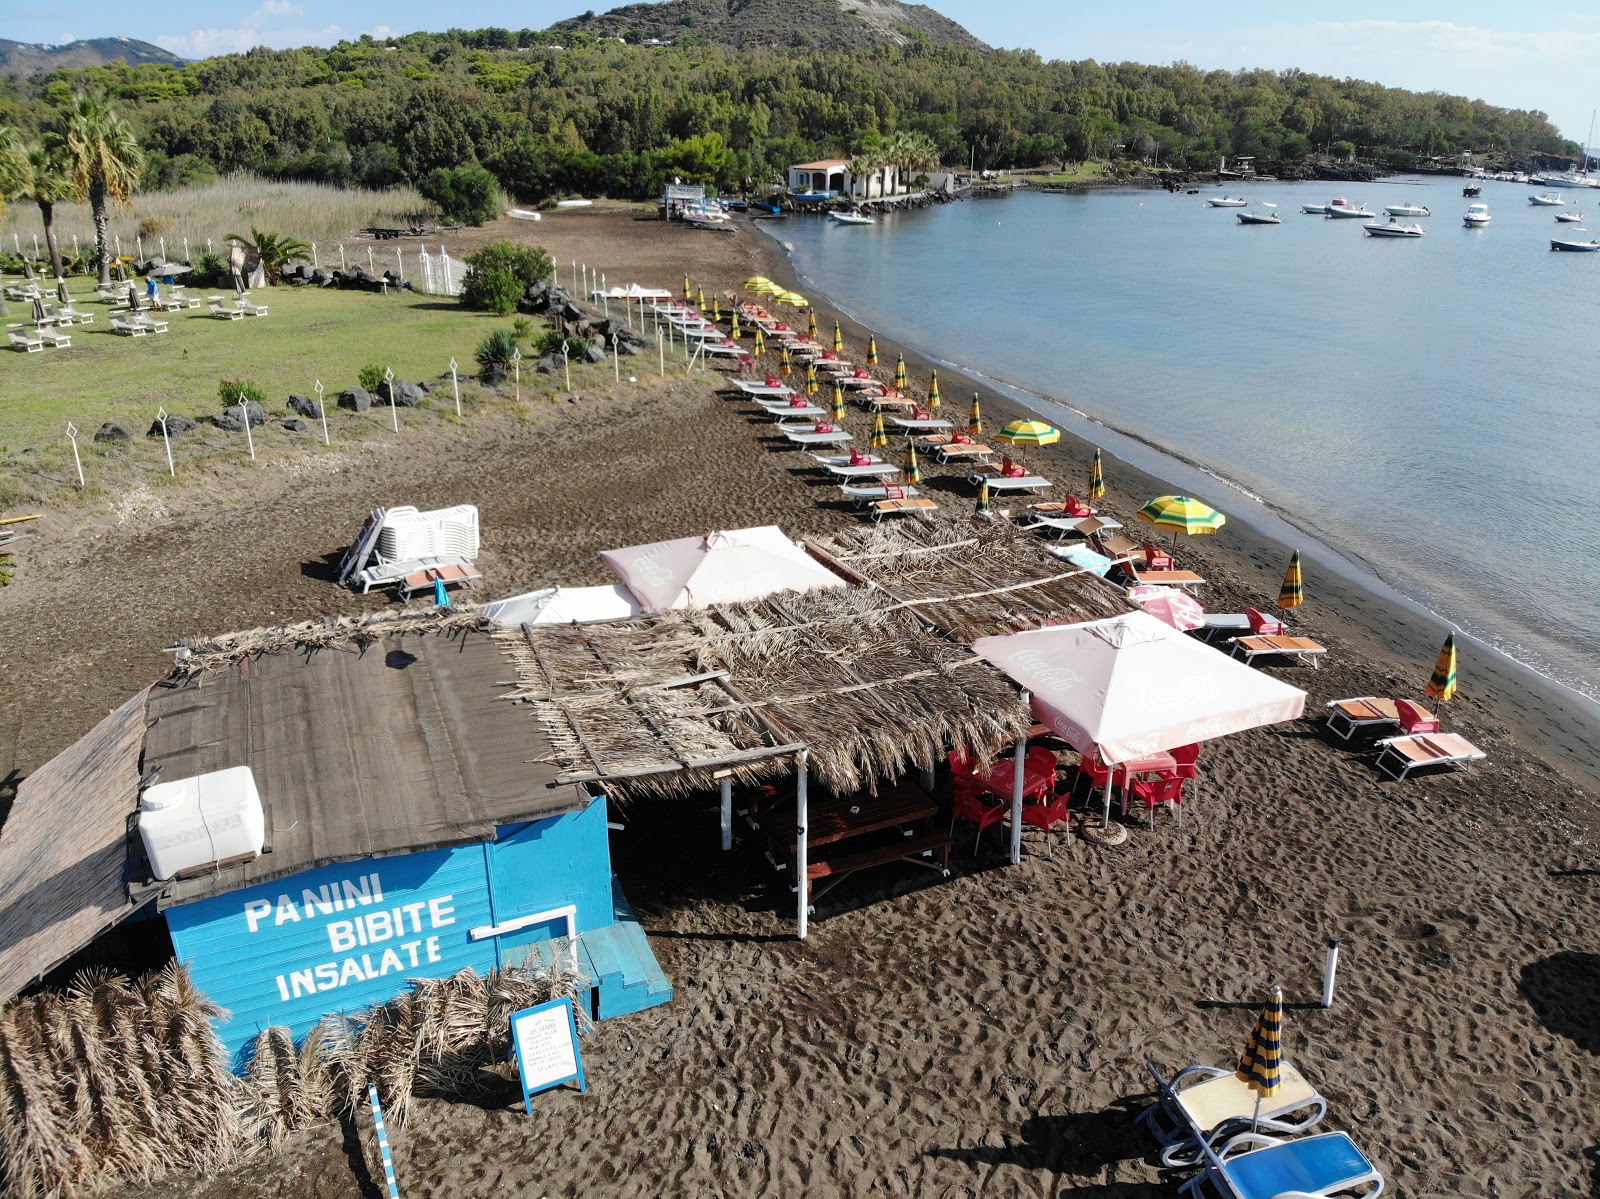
342	938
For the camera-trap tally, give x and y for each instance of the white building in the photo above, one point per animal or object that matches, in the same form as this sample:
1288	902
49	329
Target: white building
833	177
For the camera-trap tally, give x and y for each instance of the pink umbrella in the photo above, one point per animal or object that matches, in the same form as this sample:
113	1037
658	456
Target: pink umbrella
1176	608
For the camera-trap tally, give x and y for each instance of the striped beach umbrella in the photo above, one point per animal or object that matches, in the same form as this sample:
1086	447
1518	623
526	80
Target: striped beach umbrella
1261	1067
1442	683
900	374
761	341
811	378
811	324
1097	477
735	332
983	499
975	419
1181	514
686	291
754	282
1029	432
838	338
912	471
784	367
933	389
1292	593
838	401
701	301
716	309
872	350
880	436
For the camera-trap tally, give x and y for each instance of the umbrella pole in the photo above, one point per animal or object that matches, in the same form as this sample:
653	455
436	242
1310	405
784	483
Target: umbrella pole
1017	783
1105	821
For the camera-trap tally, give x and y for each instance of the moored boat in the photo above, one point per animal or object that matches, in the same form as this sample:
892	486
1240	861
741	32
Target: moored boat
1477	216
1341	210
1472	189
1227	202
1546	200
1406	209
852	218
1267	217
1573	245
1393	229
1324	209
1569	218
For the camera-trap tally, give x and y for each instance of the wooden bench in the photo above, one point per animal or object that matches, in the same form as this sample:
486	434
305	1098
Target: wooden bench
930	850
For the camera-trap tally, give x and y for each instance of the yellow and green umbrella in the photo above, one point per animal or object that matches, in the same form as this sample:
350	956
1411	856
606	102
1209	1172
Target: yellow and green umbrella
811	324
975	420
1292	593
1181	514
784	368
716	309
1261	1067
792	298
838	401
900	374
754	282
686	290
872	350
811	378
933	389
735	332
761	341
838	338
1442	683
1097	477
912	472
1029	432
880	436
983	499
701	303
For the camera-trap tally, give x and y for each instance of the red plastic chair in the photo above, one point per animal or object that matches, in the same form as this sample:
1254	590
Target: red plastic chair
1048	812
772	380
1073	506
974	804
1262	625
893	491
1188	759
1414	719
1156	558
1153	792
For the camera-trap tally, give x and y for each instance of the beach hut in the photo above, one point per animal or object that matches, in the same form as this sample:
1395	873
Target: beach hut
718	568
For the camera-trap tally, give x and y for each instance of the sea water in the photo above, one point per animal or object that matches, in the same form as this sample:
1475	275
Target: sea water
1423	407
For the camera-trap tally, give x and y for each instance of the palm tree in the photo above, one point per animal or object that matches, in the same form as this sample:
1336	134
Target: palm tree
105	160
13	165
49	183
273	250
910	152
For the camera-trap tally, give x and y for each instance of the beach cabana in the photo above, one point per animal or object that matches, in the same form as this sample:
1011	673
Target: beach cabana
718	568
1130	686
564	605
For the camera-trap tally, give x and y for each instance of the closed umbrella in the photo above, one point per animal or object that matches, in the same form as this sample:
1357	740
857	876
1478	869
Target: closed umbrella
784	368
900	374
1097	478
1181	514
975	420
687	293
38	310
700	302
880	436
761	341
811	378
838	338
735	332
1442	683
62	293
912	472
933	390
1261	1067
1292	593
983	499
838	401
811	324
716	309
872	350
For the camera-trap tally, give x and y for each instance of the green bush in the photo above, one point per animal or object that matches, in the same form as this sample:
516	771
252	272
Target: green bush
208	270
496	349
553	341
231	391
469	194
370	377
498	274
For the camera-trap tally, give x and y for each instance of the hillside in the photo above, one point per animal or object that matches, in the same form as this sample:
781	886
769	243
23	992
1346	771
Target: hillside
833	25
23	58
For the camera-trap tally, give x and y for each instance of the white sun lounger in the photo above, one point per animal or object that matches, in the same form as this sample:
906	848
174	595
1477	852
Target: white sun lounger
789	412
68	315
1401	755
1055	526
776	403
1210	1104
911	424
54	337
806	435
867	493
753	388
128	326
150	323
1255	646
965	452
867	470
724	349
29	345
227	314
244	305
999	482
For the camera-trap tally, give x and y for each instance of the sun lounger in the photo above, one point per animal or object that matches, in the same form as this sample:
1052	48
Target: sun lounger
1072	506
808	435
244	305
1224	622
381	574
759	387
149	322
962	452
914	424
1255	1166
1253	647
1082	557
917	506
54	337
68	315
783	412
228	314
129	326
866	470
1209	1104
1055	526
999	481
453	574
867	493
1115	545
1401	755
1347	716
29	345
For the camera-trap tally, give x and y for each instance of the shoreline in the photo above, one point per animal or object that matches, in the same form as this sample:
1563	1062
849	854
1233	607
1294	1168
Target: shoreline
1560	722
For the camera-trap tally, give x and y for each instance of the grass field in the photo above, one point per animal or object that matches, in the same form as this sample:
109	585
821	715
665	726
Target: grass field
310	334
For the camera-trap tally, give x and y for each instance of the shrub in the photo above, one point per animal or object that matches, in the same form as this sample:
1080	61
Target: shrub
209	270
370	377
496	349
553	341
231	391
467	194
498	274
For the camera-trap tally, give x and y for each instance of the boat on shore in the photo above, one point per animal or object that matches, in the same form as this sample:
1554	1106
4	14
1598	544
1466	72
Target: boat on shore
1227	202
1477	216
851	218
1546	200
1574	246
1406	209
1393	229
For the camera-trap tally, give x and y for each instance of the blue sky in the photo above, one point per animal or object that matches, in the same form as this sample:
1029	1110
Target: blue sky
1521	56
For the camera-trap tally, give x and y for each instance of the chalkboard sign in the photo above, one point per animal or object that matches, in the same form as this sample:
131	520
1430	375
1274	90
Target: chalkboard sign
545	1040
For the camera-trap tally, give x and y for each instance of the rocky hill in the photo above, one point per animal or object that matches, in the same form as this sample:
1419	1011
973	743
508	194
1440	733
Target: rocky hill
818	24
24	58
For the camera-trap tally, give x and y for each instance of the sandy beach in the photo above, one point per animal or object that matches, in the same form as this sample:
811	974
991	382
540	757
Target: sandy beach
980	1036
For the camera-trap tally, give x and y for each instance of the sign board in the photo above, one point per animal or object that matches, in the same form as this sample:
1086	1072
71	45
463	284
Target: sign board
545	1040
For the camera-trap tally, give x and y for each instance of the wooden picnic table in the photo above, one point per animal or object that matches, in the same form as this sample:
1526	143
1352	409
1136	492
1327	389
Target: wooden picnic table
893	826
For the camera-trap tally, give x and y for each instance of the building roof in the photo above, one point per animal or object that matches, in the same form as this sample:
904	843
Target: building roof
824	165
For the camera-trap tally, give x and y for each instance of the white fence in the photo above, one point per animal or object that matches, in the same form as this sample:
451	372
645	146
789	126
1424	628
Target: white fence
440	274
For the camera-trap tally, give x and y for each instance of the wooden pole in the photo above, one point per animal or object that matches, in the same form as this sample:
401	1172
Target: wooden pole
1018	779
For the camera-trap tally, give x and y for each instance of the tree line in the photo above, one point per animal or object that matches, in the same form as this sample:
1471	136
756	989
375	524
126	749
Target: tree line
561	113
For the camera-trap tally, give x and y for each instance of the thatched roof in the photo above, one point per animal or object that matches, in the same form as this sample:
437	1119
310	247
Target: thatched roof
63	853
974	582
665	703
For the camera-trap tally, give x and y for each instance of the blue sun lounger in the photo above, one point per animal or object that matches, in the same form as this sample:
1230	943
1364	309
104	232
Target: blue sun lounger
1254	1166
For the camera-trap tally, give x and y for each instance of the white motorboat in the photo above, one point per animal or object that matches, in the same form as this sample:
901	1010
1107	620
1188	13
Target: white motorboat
1349	212
1406	209
852	218
1323	209
1546	200
1259	218
1477	216
1573	245
1393	229
1569	218
1227	202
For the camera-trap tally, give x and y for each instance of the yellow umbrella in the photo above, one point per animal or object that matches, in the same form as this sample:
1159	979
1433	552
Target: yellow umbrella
872	350
975	421
793	298
1292	593
811	325
811	378
1029	432
754	282
761	341
880	436
838	339
1261	1067
838	401
1097	478
1182	515
701	292
686	292
983	499
783	360
912	473
900	374
735	332
716	309
1442	683
933	390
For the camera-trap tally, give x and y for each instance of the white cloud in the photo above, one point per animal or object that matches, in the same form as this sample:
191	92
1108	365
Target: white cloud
282	8
203	43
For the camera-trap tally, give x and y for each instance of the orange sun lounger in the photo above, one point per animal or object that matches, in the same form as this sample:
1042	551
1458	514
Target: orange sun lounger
452	575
